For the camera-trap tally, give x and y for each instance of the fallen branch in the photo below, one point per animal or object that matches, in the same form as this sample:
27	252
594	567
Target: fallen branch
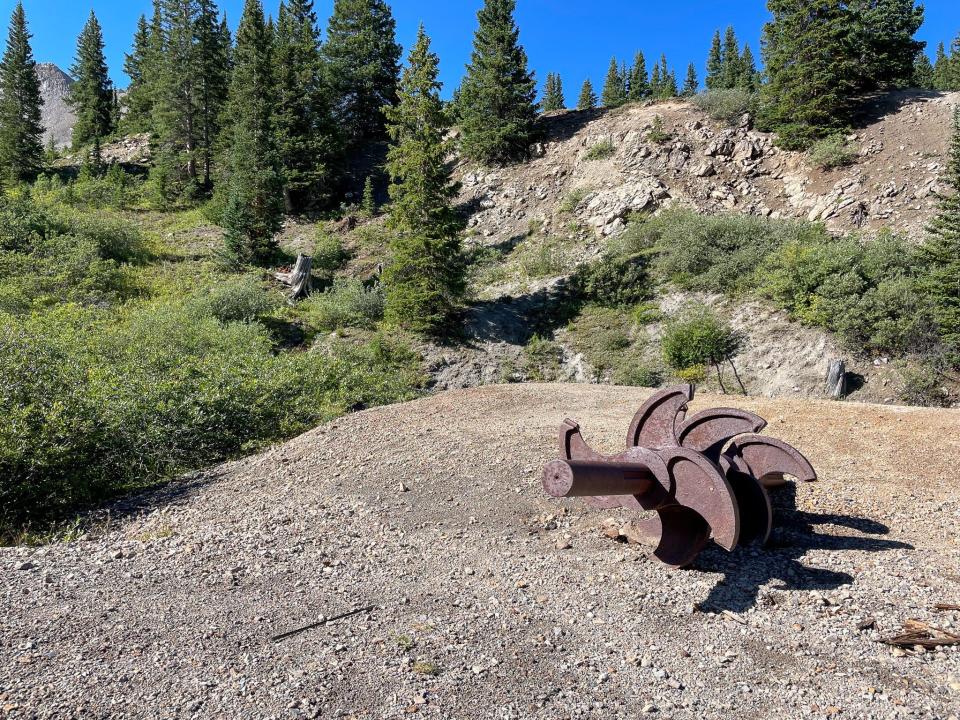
319	623
946	606
922	634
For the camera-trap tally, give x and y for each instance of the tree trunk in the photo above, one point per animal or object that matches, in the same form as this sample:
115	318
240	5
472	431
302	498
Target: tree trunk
836	381
299	279
720	378
737	376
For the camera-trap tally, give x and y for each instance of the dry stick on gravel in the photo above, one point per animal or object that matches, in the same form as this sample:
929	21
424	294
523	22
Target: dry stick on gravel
920	633
327	621
946	606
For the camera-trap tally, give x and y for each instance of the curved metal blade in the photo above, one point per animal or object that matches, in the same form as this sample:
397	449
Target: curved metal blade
654	425
709	430
698	484
756	513
769	459
676	534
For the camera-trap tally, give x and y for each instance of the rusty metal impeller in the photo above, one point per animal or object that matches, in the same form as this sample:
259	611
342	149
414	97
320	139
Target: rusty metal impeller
703	476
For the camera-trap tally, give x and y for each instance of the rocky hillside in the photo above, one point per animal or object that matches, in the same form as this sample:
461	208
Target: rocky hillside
595	168
58	118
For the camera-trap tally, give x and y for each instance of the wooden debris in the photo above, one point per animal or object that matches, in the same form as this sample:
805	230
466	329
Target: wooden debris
327	621
921	634
299	278
947	606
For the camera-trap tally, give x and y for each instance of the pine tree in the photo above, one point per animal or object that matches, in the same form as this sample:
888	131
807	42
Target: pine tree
941	70
251	187
588	98
639	82
883	43
952	76
553	94
363	59
942	250
715	68
496	108
424	279
21	132
368	202
730	71
308	141
668	80
812	72
91	96
749	78
656	82
211	56
922	73
690	84
613	94
138	100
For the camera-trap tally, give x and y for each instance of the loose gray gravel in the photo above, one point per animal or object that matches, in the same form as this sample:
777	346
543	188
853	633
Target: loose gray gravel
489	599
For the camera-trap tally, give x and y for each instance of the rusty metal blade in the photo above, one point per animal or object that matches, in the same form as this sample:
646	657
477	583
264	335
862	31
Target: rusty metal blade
699	484
709	430
654	425
676	534
756	513
769	459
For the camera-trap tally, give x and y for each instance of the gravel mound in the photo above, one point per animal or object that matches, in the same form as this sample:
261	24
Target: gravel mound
487	599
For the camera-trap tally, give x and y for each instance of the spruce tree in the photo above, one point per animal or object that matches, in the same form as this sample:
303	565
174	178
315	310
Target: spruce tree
497	107
883	41
613	94
308	141
639	82
730	70
138	100
424	279
553	94
588	98
91	96
211	57
251	186
922	73
21	132
942	250
656	82
362	57
749	78
690	84
368	201
812	72
715	68
668	80
941	70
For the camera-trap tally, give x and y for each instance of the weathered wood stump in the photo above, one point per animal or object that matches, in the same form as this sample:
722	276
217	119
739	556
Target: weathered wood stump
299	280
836	381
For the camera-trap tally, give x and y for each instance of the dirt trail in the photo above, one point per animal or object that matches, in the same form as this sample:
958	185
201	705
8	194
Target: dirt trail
492	600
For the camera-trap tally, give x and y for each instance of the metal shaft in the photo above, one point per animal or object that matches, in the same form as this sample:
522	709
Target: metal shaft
586	478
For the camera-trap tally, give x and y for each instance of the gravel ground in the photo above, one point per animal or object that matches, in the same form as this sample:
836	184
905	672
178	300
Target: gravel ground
490	600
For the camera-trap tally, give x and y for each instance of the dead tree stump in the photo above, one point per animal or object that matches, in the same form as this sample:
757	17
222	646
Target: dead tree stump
299	280
836	382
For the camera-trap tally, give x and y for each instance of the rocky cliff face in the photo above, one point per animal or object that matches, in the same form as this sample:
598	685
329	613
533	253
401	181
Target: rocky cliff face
58	118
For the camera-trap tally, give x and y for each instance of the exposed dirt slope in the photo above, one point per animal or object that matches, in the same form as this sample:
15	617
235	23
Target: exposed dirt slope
515	601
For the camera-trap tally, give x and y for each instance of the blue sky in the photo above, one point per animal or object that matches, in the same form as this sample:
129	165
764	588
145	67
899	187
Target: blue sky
572	37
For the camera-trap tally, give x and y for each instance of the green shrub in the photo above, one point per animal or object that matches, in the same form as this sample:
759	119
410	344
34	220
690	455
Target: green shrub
831	152
696	337
657	134
923	384
329	254
544	258
727	106
616	280
238	299
95	402
542	359
114	189
600	151
632	371
573	199
347	304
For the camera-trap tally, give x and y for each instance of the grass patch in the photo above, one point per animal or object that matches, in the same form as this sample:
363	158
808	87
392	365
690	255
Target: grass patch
572	200
600	151
832	152
726	106
542	359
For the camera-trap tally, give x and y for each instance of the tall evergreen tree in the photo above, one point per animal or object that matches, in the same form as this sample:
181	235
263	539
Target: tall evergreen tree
553	94
942	250
941	70
656	82
730	71
424	279
91	96
953	66
363	60
883	41
922	73
251	186
613	94
212	62
715	68
691	84
749	78
812	72
176	112
588	98
668	80
21	132
308	140
496	107
639	82
138	100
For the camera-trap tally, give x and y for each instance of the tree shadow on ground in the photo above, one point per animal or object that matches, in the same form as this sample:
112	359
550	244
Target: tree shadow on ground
746	569
878	106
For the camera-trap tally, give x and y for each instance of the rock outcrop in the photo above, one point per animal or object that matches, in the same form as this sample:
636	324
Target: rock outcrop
58	118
